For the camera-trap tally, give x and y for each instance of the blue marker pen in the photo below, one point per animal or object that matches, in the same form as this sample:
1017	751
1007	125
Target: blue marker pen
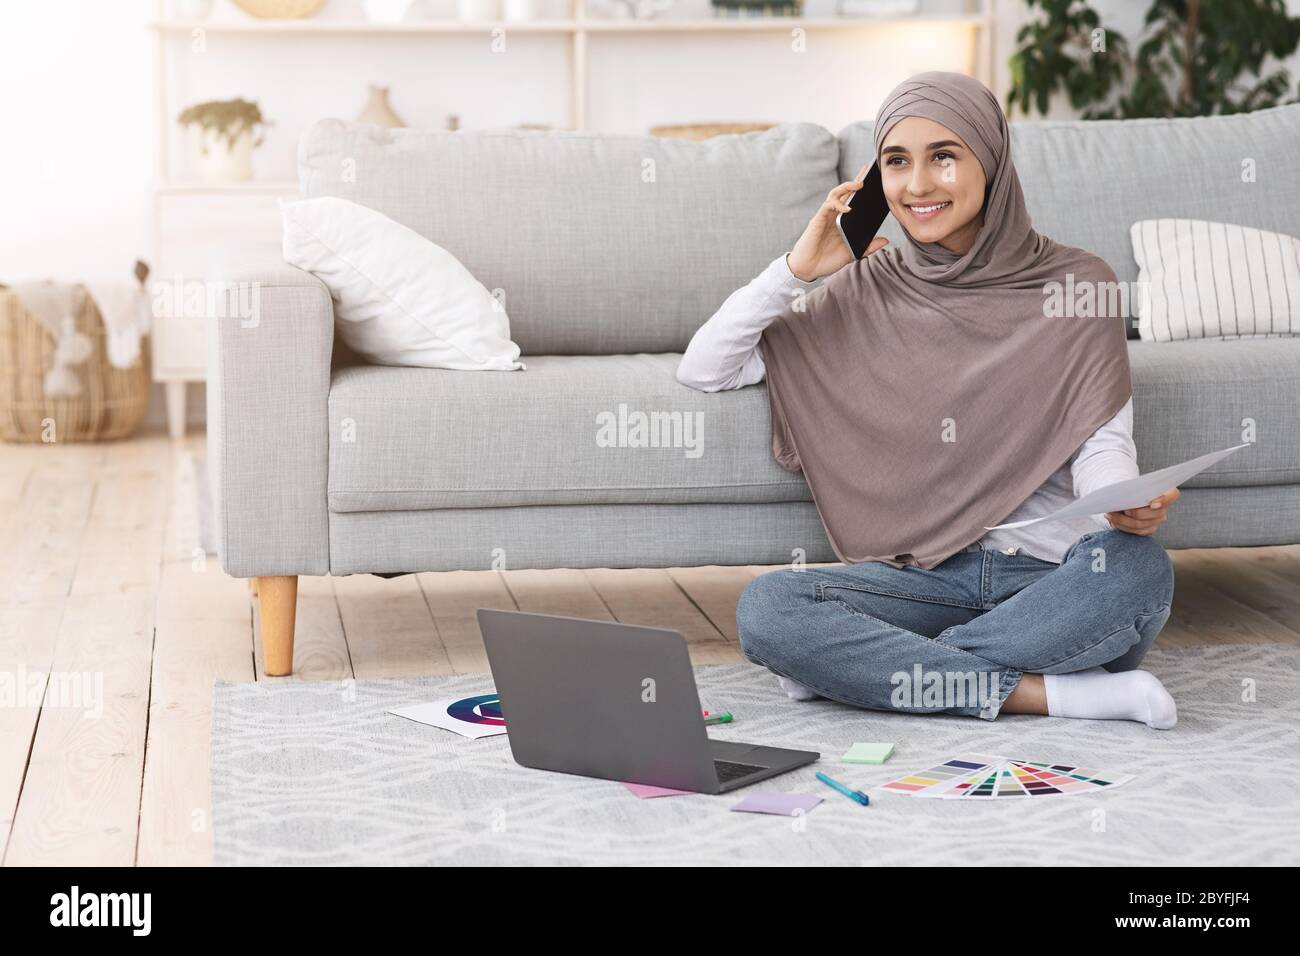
855	795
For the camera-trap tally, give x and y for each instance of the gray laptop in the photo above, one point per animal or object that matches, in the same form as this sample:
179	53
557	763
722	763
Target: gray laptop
616	701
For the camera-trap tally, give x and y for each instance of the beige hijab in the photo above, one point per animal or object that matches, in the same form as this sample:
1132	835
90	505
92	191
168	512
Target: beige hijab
926	394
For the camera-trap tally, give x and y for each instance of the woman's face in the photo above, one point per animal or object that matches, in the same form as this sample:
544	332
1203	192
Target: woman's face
933	183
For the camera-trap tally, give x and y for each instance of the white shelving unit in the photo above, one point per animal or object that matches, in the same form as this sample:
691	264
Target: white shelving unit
579	27
179	351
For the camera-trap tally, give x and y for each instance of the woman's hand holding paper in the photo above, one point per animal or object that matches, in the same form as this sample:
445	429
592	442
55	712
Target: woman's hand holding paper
1147	519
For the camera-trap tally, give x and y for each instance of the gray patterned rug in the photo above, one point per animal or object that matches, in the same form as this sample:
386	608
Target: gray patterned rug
317	773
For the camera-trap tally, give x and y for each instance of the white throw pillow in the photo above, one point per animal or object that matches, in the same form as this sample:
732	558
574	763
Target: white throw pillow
1211	280
399	299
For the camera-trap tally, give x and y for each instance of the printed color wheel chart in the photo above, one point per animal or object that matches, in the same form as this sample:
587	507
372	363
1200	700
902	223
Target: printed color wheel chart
484	709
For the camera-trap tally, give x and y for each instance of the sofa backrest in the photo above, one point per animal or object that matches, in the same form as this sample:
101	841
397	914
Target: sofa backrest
1086	182
603	244
599	244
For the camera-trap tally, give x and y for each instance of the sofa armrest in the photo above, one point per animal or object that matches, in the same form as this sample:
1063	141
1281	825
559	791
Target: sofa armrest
268	423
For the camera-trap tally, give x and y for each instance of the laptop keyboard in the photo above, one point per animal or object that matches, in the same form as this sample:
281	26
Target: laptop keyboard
729	770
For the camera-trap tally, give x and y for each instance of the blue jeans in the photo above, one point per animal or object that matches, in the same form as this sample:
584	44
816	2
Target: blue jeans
957	638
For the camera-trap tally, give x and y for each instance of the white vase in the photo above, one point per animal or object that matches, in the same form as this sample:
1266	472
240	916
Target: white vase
386	11
220	162
478	9
516	10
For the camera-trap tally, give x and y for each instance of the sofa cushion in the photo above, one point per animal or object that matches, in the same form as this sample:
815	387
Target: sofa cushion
1195	396
399	299
1207	280
598	244
568	430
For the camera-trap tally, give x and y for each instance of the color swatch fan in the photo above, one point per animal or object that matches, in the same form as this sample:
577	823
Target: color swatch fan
981	777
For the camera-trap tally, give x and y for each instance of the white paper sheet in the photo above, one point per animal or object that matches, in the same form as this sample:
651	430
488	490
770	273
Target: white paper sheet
1133	493
473	717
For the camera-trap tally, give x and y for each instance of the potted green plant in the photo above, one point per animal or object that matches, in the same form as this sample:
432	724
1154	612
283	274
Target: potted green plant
1194	58
226	133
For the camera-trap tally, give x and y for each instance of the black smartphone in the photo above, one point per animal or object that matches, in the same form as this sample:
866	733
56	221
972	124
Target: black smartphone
867	212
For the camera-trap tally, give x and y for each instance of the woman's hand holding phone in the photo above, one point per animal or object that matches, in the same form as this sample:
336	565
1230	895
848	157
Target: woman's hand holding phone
821	250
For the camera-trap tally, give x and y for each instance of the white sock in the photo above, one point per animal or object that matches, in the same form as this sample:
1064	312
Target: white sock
1097	694
795	690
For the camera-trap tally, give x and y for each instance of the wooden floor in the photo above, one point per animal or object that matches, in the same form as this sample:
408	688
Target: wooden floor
104	590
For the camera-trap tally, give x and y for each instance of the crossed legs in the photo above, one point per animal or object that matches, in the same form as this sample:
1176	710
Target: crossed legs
962	637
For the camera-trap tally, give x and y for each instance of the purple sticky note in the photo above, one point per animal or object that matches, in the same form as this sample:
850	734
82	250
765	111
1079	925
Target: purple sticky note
782	804
645	791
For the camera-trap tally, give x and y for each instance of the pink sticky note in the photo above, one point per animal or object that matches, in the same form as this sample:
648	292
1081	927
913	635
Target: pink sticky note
782	804
645	791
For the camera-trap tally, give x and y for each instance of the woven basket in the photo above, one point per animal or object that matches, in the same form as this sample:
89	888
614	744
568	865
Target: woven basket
279	9
112	400
702	131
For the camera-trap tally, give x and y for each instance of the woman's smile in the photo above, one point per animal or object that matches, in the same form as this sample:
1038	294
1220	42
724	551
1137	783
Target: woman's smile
928	210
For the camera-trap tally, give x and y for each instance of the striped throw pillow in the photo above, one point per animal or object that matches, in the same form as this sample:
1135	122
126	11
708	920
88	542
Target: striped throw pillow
1212	280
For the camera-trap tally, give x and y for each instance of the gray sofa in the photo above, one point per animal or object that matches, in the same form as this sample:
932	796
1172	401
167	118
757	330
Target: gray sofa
609	251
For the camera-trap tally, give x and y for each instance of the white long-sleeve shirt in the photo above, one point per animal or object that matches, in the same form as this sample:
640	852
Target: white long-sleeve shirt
724	354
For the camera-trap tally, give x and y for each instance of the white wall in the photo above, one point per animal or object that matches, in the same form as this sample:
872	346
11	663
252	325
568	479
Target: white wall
76	87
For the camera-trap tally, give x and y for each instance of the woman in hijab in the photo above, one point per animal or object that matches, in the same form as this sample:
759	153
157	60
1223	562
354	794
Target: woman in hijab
928	393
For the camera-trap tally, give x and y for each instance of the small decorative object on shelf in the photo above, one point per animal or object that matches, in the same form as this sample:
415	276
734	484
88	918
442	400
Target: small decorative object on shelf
738	9
877	8
280	9
378	112
193	9
386	11
227	132
453	122
517	10
700	131
637	9
478	9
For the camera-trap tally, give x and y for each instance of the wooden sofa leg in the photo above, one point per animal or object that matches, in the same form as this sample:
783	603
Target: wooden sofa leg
277	597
